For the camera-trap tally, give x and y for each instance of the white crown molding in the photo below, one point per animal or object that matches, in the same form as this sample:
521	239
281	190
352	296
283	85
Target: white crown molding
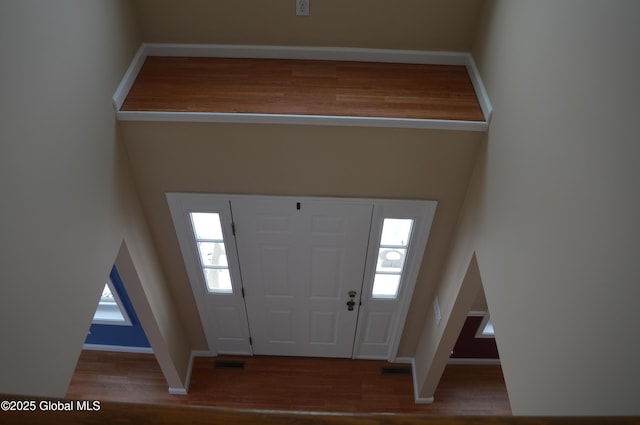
310	53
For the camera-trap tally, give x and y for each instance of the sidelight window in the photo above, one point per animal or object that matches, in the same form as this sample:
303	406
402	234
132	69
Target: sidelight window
392	254
207	229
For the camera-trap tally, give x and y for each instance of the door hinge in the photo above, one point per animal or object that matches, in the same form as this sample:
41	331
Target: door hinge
233	229
250	341
242	290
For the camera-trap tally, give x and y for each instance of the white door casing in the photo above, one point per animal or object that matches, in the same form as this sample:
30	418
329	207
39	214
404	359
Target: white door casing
380	321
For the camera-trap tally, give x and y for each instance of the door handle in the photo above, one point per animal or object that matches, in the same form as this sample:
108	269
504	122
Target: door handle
351	303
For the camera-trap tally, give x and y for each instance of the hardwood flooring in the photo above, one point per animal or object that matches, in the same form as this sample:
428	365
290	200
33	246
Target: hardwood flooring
304	87
290	384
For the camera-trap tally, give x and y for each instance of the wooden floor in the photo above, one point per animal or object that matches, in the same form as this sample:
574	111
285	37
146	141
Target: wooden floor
290	384
304	87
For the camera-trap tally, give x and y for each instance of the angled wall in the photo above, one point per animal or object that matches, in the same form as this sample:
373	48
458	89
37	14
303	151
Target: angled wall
67	194
552	211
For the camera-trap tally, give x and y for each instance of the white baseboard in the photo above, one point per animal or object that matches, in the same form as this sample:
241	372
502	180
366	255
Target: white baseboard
118	348
474	361
429	400
288	119
178	391
424	400
371	358
354	54
129	78
416	392
297	52
194	354
478	86
202	353
412	362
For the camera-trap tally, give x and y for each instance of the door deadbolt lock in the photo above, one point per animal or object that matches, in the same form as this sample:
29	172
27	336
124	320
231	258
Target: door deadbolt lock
351	303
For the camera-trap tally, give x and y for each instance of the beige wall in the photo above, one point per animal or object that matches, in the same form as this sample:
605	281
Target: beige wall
457	290
480	303
68	196
439	337
300	160
407	24
552	214
272	159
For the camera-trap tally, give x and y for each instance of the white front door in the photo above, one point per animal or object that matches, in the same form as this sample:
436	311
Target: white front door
297	260
300	261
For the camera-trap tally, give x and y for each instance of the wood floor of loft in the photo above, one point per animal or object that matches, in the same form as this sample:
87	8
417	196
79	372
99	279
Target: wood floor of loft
290	384
304	87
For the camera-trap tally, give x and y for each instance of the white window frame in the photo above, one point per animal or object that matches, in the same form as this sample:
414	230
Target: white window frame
103	307
205	267
403	258
485	330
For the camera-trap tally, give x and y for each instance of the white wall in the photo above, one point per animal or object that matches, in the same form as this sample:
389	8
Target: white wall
67	197
556	200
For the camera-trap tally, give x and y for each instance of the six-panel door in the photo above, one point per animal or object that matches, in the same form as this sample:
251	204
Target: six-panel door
299	261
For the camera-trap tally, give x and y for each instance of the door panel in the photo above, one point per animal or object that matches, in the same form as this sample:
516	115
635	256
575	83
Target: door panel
205	233
281	329
325	267
298	262
275	266
377	328
323	327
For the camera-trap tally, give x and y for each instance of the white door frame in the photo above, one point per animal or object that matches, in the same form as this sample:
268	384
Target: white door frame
392	312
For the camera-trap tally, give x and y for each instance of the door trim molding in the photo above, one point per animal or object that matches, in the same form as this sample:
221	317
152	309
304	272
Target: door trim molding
423	211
